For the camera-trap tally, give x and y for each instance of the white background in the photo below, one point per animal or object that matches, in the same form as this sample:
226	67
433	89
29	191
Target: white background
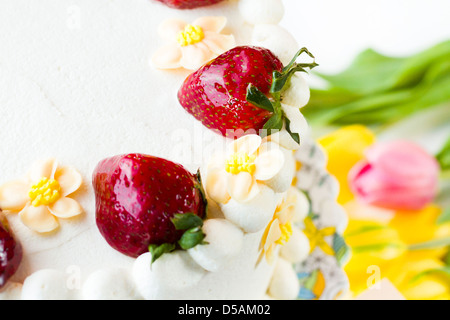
336	30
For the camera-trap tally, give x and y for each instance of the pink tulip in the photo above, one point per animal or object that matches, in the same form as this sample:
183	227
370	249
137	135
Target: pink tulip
396	175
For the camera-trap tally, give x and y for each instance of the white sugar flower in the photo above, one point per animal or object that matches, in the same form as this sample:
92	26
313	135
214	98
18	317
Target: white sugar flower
292	209
41	197
190	46
249	164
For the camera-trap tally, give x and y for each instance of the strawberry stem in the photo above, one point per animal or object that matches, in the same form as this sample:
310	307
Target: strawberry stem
302	50
280	82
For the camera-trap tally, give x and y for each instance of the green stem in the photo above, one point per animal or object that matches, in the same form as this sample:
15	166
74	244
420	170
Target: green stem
432	244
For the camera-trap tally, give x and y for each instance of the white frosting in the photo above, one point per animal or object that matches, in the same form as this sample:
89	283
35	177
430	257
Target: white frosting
110	284
277	39
297	248
284	284
47	284
11	291
76	85
224	242
282	181
254	215
261	11
177	276
298	94
168	276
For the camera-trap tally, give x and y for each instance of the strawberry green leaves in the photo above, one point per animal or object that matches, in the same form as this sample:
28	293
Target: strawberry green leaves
259	99
193	226
158	250
280	79
193	235
280	83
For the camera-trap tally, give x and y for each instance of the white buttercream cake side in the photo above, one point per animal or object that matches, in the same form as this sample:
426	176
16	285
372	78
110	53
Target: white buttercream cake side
79	84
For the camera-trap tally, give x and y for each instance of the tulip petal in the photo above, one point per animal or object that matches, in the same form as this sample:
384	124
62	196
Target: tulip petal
396	175
14	195
403	160
211	24
373	186
38	218
65	208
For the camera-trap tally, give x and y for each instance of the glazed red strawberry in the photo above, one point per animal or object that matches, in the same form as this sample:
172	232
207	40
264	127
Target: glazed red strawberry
240	90
139	199
188	4
10	252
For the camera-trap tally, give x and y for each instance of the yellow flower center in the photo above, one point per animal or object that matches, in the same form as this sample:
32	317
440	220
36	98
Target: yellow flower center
191	34
44	192
240	162
286	233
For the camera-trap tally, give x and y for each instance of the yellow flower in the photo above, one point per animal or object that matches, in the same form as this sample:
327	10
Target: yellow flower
317	236
421	278
344	148
415	227
392	246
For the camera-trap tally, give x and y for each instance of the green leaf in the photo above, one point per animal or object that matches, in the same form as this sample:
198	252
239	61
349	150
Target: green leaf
281	79
185	221
443	270
158	250
199	186
294	136
311	280
275	123
191	238
432	244
294	59
443	157
447	259
259	99
372	72
444	217
384	107
374	247
369	72
341	249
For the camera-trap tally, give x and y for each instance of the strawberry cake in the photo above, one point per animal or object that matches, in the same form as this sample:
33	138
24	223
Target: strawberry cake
149	150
